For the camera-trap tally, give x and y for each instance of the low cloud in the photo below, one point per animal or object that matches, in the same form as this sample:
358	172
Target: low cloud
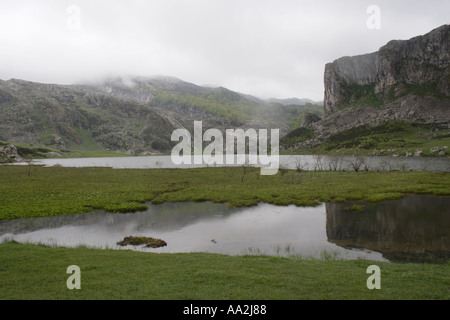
265	48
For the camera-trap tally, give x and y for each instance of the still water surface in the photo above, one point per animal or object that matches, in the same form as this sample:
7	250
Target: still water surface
416	228
306	162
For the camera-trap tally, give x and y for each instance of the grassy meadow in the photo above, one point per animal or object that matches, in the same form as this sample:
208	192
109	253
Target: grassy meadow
39	272
40	191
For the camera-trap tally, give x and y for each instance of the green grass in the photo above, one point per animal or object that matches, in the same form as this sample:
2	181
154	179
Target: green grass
39	272
359	95
61	191
296	136
41	152
224	103
30	151
6	160
88	142
423	90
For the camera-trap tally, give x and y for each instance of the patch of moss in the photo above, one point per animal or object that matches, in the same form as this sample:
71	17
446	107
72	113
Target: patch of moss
426	90
402	89
359	95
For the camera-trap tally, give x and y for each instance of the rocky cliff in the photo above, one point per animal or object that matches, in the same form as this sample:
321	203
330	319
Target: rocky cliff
405	80
423	60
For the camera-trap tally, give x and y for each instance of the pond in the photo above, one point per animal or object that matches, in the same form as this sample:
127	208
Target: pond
416	228
305	162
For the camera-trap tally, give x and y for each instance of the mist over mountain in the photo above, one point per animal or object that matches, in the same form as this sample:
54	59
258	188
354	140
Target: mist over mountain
130	114
294	101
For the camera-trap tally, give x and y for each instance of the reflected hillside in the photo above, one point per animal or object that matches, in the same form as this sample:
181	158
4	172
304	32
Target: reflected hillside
164	217
404	230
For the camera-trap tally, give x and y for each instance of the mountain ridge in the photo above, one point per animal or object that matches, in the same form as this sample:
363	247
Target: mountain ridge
133	115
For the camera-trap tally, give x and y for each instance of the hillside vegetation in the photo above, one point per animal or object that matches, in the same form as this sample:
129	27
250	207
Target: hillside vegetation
393	138
137	117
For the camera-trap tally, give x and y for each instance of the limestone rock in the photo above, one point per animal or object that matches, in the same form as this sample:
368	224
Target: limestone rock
418	153
405	80
10	151
309	119
390	72
438	149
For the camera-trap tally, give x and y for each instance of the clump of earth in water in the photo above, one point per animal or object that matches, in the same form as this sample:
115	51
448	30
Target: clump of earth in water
137	241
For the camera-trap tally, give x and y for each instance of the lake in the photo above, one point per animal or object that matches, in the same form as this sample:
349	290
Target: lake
416	228
304	162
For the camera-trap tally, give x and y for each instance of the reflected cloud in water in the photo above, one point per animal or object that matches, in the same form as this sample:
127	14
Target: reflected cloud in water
412	229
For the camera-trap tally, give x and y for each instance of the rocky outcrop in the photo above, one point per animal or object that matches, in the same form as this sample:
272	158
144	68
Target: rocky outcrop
405	80
9	151
419	65
309	119
342	74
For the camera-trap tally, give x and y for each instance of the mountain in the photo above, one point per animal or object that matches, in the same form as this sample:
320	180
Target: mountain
69	117
406	80
143	89
195	101
129	114
293	101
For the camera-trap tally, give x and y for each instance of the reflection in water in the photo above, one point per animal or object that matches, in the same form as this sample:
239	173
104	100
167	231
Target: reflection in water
416	228
193	227
413	229
163	218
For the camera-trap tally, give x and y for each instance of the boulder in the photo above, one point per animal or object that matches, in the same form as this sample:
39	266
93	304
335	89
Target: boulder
309	119
418	153
438	149
10	151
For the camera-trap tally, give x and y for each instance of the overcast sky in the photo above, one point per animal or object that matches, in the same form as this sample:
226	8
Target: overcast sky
267	48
